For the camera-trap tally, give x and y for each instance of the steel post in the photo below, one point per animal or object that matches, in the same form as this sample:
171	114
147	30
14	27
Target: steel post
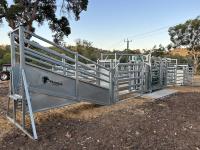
77	76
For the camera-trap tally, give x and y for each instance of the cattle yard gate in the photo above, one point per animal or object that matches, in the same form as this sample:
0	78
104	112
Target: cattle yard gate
43	78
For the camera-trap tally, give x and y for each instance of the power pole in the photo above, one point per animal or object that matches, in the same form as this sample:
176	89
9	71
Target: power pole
127	42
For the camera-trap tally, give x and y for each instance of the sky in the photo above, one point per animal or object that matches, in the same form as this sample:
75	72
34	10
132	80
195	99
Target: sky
106	23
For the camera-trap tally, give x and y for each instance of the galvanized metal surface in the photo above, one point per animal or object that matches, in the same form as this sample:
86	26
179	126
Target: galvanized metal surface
47	79
160	94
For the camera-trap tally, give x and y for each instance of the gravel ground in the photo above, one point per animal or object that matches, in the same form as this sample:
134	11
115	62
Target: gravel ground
171	123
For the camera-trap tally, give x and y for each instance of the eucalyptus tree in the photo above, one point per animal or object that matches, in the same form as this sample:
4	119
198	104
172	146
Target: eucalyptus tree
27	12
187	35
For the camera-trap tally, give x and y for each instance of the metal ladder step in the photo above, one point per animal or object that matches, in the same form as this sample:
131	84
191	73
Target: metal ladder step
18	99
15	97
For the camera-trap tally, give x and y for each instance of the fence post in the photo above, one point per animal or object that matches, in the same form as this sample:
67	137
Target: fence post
98	73
150	76
116	83
111	85
161	69
13	61
142	80
175	72
112	89
76	76
64	68
21	46
129	75
12	41
22	63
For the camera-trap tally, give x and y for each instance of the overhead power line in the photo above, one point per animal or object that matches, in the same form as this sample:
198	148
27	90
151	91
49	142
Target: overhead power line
150	32
145	34
142	34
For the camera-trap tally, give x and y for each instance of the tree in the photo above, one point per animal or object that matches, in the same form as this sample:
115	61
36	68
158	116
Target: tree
136	51
187	35
4	55
158	52
25	12
86	49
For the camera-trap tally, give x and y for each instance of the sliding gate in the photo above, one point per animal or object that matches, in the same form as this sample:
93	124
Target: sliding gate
158	74
128	80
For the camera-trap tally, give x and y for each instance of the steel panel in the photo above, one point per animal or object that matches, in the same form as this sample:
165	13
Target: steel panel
59	90
42	102
93	93
15	72
50	82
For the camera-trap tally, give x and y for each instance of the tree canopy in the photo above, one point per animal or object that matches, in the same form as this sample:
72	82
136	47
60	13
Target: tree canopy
26	12
187	35
159	51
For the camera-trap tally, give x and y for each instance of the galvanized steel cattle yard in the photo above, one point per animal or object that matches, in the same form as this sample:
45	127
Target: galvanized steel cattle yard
42	78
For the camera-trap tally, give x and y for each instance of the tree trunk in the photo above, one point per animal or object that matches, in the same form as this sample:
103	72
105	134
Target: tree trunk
196	64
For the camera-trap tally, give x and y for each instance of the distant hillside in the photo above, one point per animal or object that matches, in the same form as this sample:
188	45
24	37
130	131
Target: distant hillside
179	51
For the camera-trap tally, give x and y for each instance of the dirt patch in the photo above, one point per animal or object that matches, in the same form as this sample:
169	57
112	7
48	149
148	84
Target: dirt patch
5	126
171	123
186	89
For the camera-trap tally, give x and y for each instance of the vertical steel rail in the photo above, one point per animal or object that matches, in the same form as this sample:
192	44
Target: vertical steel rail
64	68
117	82
150	76
29	105
98	73
22	64
161	68
175	72
13	59
130	81
21	47
111	85
13	62
76	76
142	79
115	59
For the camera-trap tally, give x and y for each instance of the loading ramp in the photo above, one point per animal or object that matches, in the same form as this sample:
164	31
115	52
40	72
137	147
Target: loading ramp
43	78
37	86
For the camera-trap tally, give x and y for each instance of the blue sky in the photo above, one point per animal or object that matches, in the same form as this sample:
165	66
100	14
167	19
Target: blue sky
108	22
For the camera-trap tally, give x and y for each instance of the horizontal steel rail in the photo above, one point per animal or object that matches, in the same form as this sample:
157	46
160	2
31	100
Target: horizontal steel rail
89	74
128	86
49	42
49	51
45	56
84	65
83	57
126	72
128	79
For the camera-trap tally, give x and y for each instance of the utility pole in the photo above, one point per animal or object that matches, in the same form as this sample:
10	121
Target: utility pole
128	42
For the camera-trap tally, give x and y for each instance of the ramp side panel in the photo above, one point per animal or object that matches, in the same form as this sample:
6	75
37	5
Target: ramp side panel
51	90
47	82
94	94
15	72
42	102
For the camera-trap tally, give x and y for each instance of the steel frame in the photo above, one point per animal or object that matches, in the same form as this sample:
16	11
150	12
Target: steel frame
24	57
32	62
25	94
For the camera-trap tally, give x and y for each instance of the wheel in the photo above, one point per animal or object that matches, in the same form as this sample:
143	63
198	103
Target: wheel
4	76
